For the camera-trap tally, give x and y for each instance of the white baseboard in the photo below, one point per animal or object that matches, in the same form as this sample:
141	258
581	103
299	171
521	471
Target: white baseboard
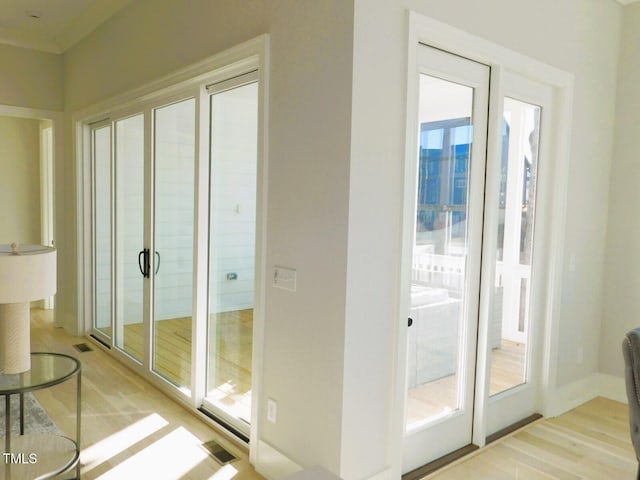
611	387
386	474
568	397
572	395
273	464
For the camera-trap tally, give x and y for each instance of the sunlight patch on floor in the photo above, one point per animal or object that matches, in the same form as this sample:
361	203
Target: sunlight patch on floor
171	457
225	473
117	443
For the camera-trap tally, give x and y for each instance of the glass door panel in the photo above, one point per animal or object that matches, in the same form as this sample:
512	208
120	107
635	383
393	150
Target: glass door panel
102	200
438	293
172	259
510	298
445	266
234	135
129	204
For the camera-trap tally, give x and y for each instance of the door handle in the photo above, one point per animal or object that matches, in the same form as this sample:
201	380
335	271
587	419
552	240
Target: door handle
410	322
143	262
157	265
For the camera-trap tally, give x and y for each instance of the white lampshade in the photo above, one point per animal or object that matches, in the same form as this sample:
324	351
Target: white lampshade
26	276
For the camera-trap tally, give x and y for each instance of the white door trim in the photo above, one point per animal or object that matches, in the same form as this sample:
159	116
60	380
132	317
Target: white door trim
428	31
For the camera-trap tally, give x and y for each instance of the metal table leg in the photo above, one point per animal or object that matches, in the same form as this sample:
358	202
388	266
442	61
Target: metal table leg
78	419
7	435
7	423
22	414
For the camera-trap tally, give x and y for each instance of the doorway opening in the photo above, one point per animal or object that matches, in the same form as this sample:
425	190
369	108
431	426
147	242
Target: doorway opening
27	160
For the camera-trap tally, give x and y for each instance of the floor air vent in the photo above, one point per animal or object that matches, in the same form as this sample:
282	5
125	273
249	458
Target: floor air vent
83	347
218	452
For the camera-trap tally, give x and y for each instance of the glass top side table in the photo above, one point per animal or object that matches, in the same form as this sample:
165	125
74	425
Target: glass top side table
40	455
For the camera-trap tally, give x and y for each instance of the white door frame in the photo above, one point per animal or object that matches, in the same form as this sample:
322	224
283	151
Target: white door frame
440	35
46	192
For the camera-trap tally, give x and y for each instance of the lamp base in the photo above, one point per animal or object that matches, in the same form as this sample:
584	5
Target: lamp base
15	341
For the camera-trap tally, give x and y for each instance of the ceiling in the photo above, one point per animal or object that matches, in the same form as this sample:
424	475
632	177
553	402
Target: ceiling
56	25
52	25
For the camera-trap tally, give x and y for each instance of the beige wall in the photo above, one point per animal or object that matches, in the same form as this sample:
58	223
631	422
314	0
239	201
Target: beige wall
20	180
30	79
622	280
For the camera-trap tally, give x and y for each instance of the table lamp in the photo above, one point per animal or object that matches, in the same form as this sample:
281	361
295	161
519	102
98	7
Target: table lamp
27	273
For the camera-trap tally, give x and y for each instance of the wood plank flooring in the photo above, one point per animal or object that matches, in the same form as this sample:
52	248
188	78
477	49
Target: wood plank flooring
229	361
589	442
132	430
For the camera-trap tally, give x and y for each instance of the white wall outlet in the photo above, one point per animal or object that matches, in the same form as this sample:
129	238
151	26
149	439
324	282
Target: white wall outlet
284	278
272	410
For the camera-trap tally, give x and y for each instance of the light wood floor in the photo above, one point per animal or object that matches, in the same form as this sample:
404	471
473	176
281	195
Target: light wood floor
130	429
229	360
590	442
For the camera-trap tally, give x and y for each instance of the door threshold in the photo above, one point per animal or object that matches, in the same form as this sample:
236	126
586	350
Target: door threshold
512	428
225	425
431	467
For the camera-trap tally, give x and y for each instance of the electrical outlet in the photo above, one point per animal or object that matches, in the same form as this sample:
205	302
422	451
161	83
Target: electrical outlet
284	278
272	410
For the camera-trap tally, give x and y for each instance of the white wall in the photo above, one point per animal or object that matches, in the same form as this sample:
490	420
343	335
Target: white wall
19	180
622	279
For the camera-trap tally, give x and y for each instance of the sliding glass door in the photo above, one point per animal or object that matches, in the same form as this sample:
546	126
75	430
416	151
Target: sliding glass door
173	237
102	201
129	234
175	215
232	247
144	207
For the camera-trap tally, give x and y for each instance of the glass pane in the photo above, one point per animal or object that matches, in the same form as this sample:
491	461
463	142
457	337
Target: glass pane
439	254
510	299
234	137
129	163
174	169
101	147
